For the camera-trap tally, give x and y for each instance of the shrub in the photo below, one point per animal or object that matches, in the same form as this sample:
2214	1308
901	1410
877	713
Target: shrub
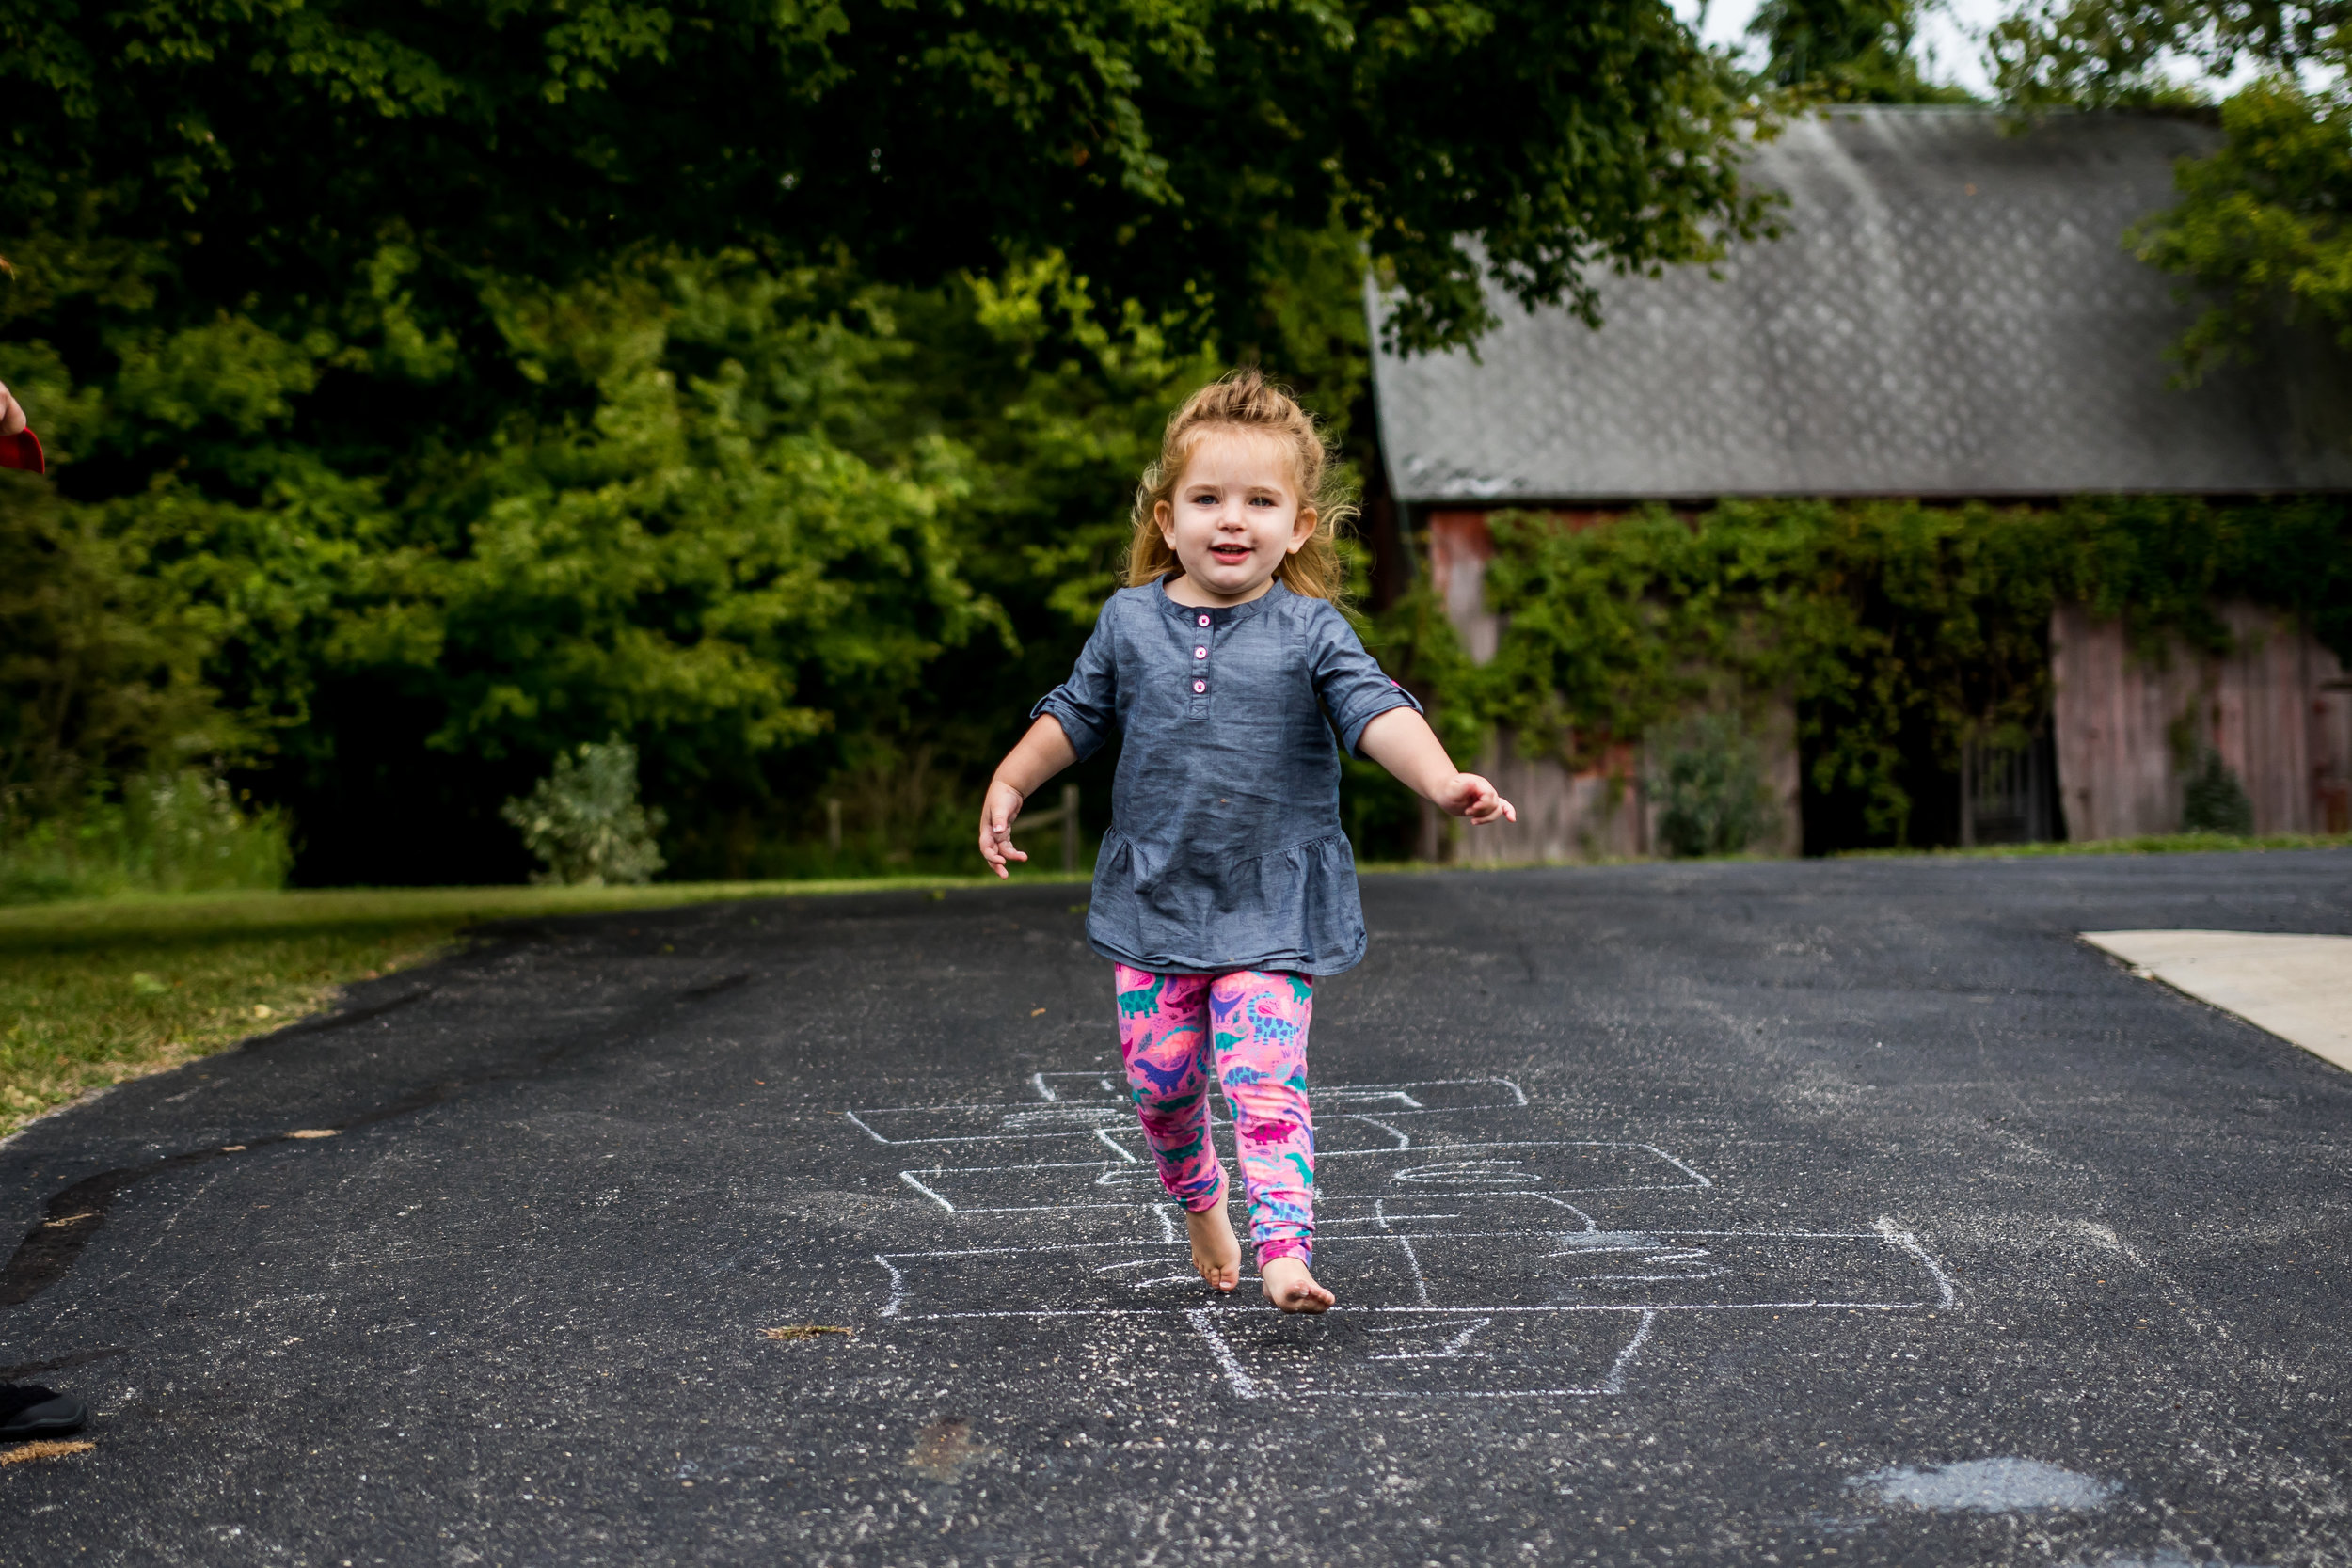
585	822
2215	802
1710	778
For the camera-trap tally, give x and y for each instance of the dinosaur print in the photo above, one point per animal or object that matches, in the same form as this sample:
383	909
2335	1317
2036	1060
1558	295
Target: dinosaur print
1168	1082
1144	998
1245	1031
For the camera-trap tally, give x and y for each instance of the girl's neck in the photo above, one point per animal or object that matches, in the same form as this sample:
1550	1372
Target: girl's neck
1186	592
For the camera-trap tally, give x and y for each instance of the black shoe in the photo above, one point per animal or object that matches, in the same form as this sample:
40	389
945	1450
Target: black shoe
28	1410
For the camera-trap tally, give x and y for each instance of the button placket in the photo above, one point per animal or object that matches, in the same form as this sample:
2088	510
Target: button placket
1199	656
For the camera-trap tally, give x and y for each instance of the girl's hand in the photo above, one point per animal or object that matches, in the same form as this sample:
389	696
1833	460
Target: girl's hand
11	415
1468	795
1042	753
1402	741
998	810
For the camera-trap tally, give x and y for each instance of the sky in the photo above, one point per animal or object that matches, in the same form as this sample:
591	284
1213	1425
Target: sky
1950	34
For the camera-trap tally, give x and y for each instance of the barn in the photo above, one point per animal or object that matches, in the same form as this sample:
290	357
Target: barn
1949	313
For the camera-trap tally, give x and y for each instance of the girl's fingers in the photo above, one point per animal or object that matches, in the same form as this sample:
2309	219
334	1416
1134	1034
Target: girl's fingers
1492	808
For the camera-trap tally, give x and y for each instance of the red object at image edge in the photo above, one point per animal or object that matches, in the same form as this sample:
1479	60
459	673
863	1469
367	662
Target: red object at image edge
23	451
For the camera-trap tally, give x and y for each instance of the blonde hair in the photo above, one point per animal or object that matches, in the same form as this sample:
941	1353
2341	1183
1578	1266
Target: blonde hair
1245	403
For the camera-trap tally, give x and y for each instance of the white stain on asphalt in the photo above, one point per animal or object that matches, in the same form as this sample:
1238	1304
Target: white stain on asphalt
1989	1486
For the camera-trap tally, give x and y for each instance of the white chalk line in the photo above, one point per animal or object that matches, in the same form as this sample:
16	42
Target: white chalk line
1468	1235
1694	1176
1121	1118
1335	1095
1412	1261
1237	1377
1909	1242
1615	1382
1697	1179
1457	1349
1334	1091
1227	1362
908	1177
1650	1306
1403	1140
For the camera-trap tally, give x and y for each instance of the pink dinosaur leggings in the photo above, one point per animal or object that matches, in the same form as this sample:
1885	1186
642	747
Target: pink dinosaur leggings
1254	1025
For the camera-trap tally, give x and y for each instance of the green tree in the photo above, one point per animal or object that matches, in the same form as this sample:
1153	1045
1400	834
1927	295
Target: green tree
101	658
1848	51
276	151
763	383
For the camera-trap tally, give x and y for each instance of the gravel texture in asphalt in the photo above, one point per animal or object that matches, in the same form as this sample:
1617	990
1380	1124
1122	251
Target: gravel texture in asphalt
1735	1213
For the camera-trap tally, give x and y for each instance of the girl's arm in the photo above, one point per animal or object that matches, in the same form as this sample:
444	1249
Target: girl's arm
1402	741
1042	753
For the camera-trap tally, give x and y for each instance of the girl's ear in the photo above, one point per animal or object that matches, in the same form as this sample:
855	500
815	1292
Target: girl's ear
1166	520
1303	530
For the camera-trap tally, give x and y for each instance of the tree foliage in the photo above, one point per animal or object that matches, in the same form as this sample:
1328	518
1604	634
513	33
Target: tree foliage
275	149
2261	225
764	384
1848	51
2153	54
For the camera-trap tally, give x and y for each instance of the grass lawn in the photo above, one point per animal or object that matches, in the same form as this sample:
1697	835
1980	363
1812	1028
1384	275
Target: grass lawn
99	990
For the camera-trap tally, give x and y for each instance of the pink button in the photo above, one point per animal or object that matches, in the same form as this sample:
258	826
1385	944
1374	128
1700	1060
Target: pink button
1201	652
1204	620
1201	686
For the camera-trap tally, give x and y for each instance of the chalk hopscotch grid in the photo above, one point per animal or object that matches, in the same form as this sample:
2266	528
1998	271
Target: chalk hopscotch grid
1652	1244
1237	1377
914	1177
1947	1296
1079	1112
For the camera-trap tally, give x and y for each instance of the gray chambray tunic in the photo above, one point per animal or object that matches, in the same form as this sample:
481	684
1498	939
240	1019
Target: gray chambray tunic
1225	851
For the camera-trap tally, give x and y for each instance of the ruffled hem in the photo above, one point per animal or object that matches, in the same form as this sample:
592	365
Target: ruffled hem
1293	908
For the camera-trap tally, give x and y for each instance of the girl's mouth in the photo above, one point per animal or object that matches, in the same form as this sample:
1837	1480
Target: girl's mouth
1232	555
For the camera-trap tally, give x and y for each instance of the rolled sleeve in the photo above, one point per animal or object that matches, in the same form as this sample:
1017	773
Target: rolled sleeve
1354	689
1087	705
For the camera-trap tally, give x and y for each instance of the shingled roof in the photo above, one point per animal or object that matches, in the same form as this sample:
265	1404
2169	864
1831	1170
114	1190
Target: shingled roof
1949	313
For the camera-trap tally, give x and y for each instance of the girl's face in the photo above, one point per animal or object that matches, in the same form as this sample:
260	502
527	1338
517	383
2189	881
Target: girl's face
1236	514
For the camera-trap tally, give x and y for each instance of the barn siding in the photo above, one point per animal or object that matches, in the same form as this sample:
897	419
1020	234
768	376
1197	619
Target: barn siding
2277	707
1594	814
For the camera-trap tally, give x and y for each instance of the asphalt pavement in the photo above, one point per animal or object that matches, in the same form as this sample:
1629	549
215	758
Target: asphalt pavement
1734	1213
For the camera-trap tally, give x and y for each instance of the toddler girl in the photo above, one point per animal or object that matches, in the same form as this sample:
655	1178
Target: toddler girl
1225	884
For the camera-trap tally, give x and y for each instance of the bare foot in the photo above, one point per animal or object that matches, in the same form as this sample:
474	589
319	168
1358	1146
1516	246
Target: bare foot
1214	1251
1289	1287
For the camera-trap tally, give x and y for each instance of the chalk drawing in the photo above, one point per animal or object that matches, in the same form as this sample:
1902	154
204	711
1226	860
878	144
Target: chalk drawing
1465	1238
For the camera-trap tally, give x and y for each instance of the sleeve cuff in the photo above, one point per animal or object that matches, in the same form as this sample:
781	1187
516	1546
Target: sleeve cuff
1396	697
1085	738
